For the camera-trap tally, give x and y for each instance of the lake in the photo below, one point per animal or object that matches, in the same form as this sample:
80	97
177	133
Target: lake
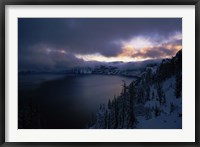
64	101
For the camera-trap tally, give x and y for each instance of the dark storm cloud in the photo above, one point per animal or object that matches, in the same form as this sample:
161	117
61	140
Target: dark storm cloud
83	36
47	60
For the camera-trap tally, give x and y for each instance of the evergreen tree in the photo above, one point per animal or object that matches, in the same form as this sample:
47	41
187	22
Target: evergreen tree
157	111
178	88
152	95
161	94
109	104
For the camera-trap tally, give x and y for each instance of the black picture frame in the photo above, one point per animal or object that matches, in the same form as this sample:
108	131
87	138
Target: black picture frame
3	4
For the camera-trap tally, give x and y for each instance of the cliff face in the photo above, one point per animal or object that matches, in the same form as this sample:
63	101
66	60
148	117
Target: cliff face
154	100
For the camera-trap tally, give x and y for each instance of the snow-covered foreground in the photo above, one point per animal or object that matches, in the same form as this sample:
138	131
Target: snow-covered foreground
163	121
171	112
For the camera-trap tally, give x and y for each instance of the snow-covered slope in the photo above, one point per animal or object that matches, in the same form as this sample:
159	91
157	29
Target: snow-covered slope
152	101
170	112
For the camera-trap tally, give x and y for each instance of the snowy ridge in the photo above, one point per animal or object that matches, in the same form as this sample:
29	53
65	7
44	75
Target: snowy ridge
152	101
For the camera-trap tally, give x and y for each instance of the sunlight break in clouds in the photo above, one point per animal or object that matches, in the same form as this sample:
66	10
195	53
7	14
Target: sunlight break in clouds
100	58
137	43
140	49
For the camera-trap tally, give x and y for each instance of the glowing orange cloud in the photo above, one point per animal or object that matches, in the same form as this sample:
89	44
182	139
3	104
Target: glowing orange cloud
140	49
161	51
151	50
127	51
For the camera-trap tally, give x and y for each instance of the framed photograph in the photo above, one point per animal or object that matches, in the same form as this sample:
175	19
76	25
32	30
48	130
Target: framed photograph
99	73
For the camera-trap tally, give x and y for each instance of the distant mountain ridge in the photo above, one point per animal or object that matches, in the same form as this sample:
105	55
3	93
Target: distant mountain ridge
113	68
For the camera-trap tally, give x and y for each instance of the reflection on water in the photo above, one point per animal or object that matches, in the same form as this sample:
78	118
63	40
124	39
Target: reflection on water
64	102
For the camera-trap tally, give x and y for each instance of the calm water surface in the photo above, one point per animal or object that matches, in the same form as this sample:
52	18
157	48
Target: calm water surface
67	102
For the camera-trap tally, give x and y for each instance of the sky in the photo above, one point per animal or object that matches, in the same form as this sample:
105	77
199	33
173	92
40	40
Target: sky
62	43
